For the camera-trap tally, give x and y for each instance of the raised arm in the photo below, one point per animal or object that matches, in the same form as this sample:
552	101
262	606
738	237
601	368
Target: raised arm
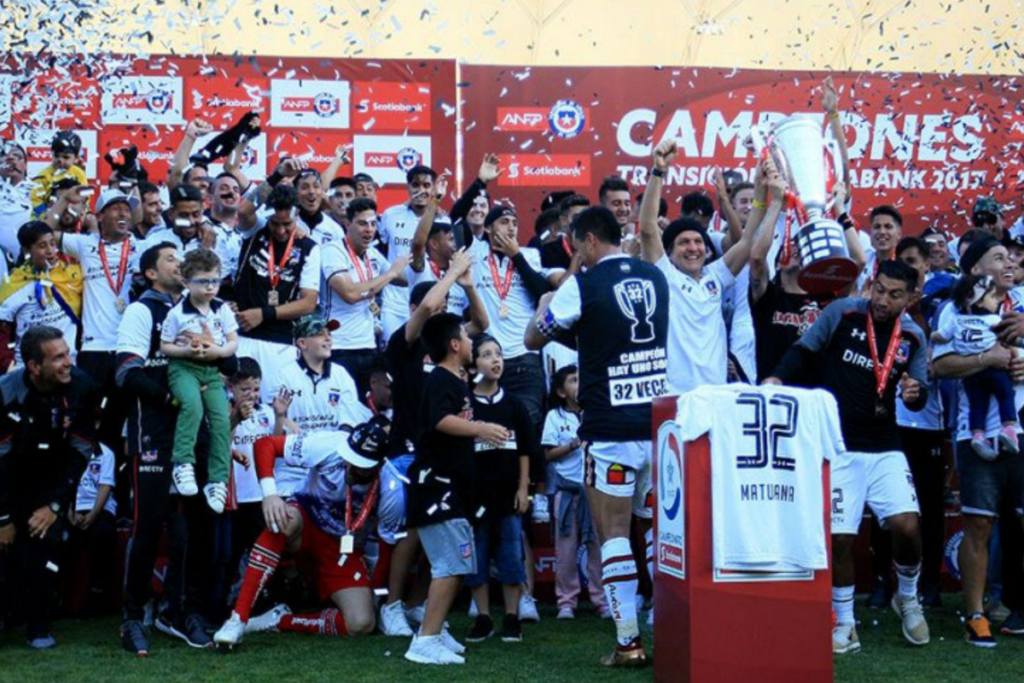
340	159
196	129
650	234
735	233
419	238
765	235
830	102
737	257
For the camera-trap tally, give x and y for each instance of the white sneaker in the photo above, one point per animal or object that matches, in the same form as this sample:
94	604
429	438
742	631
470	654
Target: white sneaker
915	628
450	643
650	618
393	621
231	632
541	514
216	496
844	639
473	611
184	477
416	614
528	608
430	650
566	613
267	621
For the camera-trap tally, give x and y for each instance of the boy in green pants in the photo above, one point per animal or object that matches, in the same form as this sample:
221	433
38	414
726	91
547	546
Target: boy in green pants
198	333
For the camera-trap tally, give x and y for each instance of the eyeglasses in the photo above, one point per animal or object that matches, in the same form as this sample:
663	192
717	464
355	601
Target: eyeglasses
205	281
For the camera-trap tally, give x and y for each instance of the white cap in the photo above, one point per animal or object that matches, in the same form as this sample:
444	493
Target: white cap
109	197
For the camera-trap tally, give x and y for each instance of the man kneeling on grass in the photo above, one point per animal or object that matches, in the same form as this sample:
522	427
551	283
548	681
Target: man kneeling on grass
324	519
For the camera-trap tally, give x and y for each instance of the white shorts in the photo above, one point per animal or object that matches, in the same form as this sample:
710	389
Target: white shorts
271	357
882	480
621	469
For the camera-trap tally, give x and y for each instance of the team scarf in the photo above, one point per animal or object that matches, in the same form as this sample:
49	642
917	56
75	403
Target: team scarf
65	281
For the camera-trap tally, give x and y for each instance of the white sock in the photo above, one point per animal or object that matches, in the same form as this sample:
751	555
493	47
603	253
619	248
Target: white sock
907	577
618	574
649	553
842	604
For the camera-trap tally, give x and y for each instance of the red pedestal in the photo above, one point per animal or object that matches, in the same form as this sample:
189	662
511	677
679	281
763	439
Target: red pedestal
731	628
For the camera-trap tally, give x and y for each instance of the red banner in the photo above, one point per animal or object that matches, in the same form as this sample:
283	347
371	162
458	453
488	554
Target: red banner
926	143
396	113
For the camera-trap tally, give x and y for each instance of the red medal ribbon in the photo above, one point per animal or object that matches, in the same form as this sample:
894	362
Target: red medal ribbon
566	247
122	267
271	266
363	277
434	268
371	498
1007	305
501	288
882	372
372	404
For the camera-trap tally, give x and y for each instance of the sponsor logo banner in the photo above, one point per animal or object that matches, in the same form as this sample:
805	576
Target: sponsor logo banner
143	99
50	100
156	148
545	170
389	157
36	142
379	107
316	148
254	160
6	82
670	553
223	101
309	104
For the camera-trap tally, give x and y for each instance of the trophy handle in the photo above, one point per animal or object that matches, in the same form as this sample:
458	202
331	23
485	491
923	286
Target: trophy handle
758	140
836	157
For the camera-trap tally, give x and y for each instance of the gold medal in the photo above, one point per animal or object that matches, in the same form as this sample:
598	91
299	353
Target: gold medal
503	311
120	304
348	544
273	299
374	308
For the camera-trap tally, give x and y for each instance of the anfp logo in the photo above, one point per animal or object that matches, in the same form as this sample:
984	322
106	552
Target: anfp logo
158	101
407	158
325	105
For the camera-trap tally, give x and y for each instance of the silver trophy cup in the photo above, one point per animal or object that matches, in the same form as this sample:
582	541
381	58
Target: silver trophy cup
798	149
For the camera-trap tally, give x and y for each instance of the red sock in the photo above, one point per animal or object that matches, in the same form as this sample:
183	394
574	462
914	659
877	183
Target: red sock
382	572
263	559
329	622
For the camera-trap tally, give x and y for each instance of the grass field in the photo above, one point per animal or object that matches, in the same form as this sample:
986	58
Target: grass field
551	651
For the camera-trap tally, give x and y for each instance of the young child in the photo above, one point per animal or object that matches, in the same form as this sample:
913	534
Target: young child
200	332
93	532
66	148
503	479
573	523
978	309
441	497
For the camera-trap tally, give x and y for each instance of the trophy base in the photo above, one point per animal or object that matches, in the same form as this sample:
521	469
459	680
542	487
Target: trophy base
828	275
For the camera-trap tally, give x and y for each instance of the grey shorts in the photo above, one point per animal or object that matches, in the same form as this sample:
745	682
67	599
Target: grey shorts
450	548
986	487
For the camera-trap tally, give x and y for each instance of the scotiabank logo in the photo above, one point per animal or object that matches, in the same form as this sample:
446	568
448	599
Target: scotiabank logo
142	99
522	119
386	106
532	170
309	104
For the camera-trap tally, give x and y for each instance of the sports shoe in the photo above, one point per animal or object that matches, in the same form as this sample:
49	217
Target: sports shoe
880	595
541	514
393	621
45	642
931	596
978	632
184	477
528	608
628	656
915	628
474	612
449	642
982	447
566	613
1013	625
216	496
416	615
844	639
999	612
231	632
133	637
511	630
267	621
430	650
1008	438
189	629
483	628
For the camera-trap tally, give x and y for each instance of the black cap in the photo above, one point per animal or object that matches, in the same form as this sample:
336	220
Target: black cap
185	193
369	440
66	141
976	252
498	212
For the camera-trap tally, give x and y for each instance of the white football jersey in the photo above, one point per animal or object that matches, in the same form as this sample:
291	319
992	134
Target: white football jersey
768	446
259	424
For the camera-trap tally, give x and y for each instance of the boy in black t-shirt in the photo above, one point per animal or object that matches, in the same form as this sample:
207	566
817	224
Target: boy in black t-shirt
440	495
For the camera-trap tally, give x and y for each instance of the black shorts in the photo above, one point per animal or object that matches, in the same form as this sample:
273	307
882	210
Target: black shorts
986	487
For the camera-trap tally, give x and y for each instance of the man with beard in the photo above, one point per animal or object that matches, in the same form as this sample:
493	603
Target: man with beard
321	227
42	291
187	222
278	282
45	444
149	213
353	273
471	208
365	186
228	222
15	197
70	209
339	196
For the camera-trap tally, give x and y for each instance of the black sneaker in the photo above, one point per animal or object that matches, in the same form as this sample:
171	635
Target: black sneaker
881	596
133	637
1013	625
483	628
931	597
190	629
511	631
